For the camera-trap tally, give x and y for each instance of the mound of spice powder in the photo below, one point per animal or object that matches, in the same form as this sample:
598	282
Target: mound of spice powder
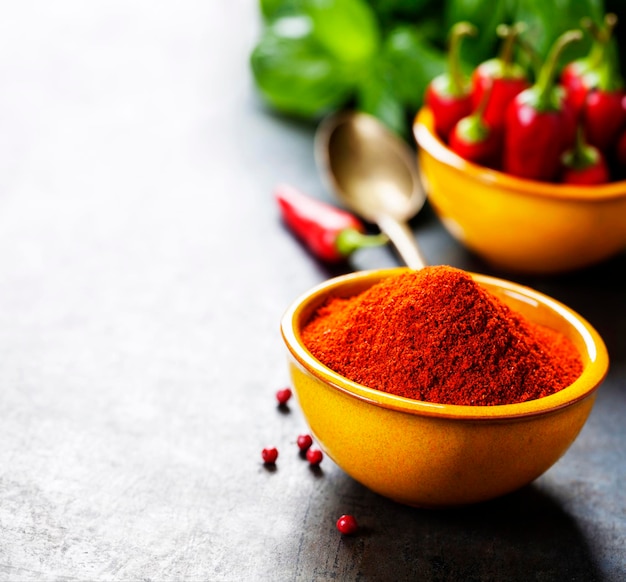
436	335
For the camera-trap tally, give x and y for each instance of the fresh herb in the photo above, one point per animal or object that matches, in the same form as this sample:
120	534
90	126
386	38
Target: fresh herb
317	56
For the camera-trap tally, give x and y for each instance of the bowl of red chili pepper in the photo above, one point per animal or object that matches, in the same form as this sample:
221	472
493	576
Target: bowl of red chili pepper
437	387
516	224
529	170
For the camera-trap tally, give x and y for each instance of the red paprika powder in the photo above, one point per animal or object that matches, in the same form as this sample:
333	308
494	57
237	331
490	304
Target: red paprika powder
436	335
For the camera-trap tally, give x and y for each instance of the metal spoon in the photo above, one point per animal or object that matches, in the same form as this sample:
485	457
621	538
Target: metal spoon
374	173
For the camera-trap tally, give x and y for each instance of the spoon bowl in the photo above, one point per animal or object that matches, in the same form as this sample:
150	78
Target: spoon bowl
374	173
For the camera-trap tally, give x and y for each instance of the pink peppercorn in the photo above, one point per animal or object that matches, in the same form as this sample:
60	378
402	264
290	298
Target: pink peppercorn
283	395
314	457
269	455
347	525
304	442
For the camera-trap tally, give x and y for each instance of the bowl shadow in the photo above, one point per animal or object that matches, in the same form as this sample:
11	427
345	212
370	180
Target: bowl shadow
523	536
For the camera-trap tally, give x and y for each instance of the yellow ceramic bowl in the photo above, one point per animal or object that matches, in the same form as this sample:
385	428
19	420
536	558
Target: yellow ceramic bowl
520	225
435	455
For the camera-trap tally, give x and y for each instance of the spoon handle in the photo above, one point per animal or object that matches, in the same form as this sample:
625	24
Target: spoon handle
403	239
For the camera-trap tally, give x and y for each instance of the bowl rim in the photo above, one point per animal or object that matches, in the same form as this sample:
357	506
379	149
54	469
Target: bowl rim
428	141
580	389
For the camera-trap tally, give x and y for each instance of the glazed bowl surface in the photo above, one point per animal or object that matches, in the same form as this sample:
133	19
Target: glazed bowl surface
439	455
519	225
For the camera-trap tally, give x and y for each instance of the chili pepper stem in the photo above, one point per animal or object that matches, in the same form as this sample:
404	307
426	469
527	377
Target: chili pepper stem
473	127
596	54
509	34
459	30
598	58
582	155
350	240
601	37
546	81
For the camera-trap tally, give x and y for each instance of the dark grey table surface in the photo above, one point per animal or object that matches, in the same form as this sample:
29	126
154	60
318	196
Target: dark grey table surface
143	274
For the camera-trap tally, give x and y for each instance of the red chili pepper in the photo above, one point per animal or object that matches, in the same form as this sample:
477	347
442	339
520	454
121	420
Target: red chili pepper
620	151
596	89
603	117
330	233
474	139
501	76
581	75
584	164
449	95
540	125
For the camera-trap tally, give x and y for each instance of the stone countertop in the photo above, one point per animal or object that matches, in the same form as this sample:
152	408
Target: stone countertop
144	271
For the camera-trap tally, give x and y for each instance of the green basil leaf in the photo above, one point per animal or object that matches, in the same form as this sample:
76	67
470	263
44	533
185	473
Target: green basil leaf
485	16
411	62
392	13
394	89
295	74
376	97
548	20
347	29
273	9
